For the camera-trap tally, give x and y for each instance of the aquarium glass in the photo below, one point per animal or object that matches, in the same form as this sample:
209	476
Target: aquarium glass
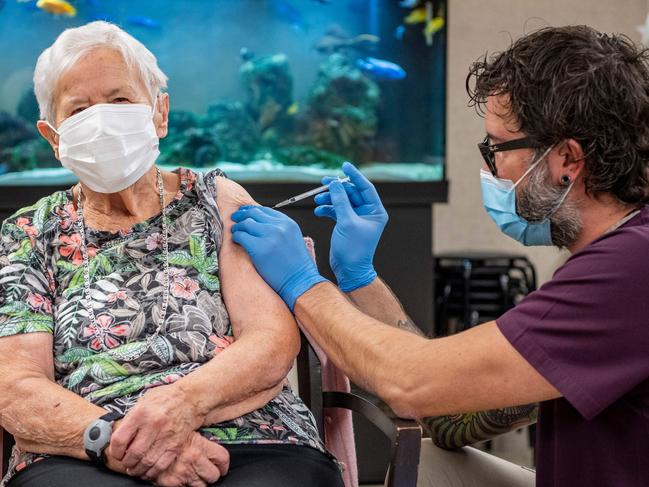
267	90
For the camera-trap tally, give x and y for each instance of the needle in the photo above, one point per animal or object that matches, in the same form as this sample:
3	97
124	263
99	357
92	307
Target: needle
308	194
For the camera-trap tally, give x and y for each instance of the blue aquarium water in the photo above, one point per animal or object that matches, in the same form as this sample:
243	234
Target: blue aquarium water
267	90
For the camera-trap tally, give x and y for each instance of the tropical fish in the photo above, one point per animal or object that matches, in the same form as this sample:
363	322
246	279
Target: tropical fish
408	3
433	26
417	16
246	54
57	7
293	109
288	13
336	38
381	69
399	32
142	21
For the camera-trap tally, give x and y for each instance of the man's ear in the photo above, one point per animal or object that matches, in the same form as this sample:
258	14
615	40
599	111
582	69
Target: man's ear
161	117
48	134
571	161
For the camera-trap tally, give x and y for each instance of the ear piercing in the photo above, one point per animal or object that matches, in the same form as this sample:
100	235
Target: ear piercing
565	180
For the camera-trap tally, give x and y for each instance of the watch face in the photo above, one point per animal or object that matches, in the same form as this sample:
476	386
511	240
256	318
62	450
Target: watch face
94	433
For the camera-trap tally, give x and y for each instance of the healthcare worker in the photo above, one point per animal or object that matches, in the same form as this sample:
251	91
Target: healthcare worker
566	114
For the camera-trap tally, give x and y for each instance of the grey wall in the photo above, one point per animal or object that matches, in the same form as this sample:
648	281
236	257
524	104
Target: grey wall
474	27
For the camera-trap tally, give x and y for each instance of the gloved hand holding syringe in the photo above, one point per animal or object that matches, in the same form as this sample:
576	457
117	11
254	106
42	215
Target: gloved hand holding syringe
308	194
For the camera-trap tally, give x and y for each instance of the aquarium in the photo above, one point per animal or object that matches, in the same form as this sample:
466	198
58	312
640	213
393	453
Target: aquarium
267	90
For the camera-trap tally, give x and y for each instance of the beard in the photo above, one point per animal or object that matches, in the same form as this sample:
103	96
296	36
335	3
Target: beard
539	198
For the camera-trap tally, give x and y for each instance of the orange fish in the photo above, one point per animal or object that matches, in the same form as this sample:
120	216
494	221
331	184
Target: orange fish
57	7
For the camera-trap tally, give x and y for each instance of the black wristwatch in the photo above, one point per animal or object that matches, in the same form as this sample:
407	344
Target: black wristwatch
97	436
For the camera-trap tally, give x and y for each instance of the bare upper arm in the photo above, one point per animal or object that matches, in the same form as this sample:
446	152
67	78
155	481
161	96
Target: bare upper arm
250	301
473	371
30	353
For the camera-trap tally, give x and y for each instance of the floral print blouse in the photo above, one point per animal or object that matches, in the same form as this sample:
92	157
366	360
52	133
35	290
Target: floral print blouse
111	363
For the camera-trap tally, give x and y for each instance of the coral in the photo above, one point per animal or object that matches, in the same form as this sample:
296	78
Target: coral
235	133
269	89
28	106
342	110
14	130
29	154
226	133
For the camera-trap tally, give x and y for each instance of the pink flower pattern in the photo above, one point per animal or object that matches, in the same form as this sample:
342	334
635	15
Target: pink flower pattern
184	288
107	333
113	297
39	302
72	247
153	241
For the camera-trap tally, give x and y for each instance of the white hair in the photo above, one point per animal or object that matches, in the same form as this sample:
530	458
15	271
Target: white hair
72	44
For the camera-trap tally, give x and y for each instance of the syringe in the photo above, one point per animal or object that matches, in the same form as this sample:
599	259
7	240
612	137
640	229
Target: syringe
308	194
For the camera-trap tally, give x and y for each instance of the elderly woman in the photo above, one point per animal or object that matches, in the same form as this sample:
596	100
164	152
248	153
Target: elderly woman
139	345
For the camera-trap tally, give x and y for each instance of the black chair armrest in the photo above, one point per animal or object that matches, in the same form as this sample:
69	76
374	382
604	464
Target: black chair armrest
404	434
6	442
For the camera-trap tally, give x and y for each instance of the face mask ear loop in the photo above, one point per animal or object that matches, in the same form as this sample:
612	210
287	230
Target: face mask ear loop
534	164
563	198
155	105
53	129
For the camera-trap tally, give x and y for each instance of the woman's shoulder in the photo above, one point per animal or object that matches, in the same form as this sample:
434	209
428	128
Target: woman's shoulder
41	217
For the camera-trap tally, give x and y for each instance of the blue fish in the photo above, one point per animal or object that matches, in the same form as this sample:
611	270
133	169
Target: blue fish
246	54
381	69
288	13
142	21
399	32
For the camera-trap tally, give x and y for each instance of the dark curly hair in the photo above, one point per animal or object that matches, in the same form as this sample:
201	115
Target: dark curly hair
575	82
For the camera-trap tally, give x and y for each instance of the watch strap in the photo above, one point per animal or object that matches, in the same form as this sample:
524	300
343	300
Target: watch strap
111	416
97	455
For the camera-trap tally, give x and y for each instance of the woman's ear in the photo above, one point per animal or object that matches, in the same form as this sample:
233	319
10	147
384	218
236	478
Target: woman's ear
161	117
48	134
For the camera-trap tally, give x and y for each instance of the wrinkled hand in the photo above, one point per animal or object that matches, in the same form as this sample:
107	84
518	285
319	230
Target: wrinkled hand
201	462
360	219
150	437
276	247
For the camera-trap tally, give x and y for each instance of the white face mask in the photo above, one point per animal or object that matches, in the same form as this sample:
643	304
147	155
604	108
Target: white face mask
109	146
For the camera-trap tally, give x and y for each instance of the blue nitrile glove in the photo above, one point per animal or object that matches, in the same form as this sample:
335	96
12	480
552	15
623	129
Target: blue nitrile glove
360	220
277	249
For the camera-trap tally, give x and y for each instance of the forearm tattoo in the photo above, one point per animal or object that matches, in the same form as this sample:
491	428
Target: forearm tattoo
458	430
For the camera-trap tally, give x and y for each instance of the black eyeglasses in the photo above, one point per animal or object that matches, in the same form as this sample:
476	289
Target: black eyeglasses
488	151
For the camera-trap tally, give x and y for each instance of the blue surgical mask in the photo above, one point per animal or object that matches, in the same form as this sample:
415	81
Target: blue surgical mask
499	199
